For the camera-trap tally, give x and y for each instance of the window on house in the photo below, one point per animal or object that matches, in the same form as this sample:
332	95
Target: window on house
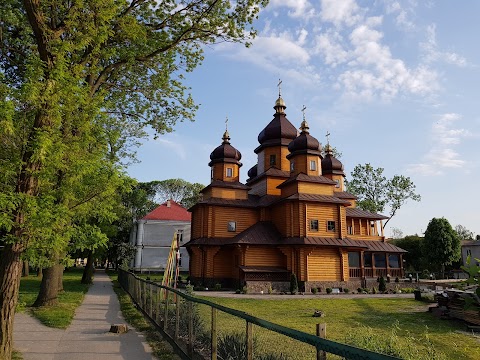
350	230
292	166
211	174
314	225
367	259
330	225
394	261
273	159
372	228
354	259
469	252
229	172
232	226
337	183
380	260
313	165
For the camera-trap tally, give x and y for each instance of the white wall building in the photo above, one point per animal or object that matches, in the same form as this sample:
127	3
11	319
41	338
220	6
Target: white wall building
152	236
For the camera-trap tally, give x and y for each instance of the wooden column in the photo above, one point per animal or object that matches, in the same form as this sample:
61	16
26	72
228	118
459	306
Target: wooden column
321	333
362	264
214	334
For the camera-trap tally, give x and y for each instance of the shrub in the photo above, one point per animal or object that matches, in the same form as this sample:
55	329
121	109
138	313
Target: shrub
218	287
346	291
293	284
319	289
238	291
245	289
269	289
233	346
359	290
314	290
382	286
397	280
329	290
374	290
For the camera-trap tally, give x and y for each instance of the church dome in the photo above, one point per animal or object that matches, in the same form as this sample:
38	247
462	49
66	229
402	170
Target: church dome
225	152
279	128
304	141
330	164
253	171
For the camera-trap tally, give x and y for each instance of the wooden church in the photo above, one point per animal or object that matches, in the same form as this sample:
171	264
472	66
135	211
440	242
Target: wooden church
293	215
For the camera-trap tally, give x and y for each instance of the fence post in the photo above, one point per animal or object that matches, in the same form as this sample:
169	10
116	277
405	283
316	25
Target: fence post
214	334
151	300
165	317
159	301
190	329
177	316
321	333
249	341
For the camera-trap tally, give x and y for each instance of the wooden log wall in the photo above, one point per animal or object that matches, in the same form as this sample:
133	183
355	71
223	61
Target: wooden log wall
323	213
265	256
324	265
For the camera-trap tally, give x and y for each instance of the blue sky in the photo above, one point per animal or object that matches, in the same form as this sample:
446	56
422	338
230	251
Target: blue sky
394	82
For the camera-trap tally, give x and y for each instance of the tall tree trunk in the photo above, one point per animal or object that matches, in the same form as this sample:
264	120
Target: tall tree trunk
40	272
60	277
10	274
48	294
87	276
26	268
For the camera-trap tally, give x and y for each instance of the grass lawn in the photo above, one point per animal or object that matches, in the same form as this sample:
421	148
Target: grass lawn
345	317
61	315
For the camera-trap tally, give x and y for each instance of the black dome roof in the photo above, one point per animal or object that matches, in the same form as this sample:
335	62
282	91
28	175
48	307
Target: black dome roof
225	152
304	143
253	171
330	164
279	128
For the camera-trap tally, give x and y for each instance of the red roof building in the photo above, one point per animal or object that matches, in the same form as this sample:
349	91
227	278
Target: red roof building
169	210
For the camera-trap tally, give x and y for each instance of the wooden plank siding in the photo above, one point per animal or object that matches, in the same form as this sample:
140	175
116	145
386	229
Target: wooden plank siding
279	217
208	263
222	263
323	213
315	188
289	189
223	214
366	237
302	165
265	256
342	220
220	172
195	266
196	229
324	264
225	193
345	268
272	184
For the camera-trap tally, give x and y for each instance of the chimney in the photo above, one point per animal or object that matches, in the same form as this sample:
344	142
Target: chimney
168	203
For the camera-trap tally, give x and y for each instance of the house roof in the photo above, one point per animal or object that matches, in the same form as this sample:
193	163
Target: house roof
363	214
265	233
307	178
226	184
172	212
318	198
470	243
344	195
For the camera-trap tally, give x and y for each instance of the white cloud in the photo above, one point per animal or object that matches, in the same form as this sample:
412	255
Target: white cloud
298	8
443	136
402	13
433	54
176	146
340	12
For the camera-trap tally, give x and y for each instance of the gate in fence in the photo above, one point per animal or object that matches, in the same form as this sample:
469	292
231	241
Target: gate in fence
200	329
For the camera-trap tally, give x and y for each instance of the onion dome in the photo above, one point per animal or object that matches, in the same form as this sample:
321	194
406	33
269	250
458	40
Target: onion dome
330	164
279	131
252	172
304	143
225	152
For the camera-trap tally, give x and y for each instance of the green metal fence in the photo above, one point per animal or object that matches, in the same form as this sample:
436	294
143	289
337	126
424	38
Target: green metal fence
200	329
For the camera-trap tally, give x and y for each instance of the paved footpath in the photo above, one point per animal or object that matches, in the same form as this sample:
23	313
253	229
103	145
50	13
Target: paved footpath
87	337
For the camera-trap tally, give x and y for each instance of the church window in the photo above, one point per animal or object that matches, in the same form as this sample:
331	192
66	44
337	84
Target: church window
232	226
211	174
331	225
292	166
273	159
350	230
229	172
354	259
314	225
313	165
337	183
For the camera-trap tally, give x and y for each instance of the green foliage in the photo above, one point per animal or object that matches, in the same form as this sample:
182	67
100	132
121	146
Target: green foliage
441	244
178	190
463	233
328	290
293	284
382	285
414	258
407	347
233	346
375	192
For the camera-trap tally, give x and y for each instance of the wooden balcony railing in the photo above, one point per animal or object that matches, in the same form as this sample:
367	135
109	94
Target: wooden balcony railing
377	272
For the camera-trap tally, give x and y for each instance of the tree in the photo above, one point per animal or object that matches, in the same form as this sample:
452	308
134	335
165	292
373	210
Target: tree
463	233
178	190
414	257
375	192
397	233
441	244
66	67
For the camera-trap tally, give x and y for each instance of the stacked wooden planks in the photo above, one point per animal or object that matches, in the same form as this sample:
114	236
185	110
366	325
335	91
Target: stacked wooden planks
464	305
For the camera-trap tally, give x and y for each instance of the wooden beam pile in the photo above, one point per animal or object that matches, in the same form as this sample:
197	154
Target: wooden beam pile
463	305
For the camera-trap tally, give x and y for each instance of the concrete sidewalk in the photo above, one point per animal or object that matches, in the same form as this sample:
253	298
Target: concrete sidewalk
87	337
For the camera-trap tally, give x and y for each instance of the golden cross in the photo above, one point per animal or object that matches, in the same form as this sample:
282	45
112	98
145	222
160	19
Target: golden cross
279	88
226	123
327	136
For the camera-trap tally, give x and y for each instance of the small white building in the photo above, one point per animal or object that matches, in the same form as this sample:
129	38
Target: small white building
153	234
471	249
